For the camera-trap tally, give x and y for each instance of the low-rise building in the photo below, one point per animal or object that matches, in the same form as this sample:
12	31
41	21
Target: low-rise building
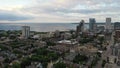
68	42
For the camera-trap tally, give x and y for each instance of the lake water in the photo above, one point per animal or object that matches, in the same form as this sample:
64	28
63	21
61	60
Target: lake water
40	27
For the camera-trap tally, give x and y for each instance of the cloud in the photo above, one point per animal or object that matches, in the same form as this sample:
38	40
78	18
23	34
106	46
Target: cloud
75	6
64	11
11	16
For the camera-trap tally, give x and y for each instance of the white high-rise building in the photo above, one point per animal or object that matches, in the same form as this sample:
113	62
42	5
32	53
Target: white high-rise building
108	24
25	31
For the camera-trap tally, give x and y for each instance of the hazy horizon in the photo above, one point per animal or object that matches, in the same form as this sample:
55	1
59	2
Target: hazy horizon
51	22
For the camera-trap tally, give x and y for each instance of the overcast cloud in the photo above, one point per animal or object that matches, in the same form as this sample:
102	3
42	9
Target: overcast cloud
58	10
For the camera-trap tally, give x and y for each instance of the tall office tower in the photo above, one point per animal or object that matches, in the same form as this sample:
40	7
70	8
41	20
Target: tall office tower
117	26
80	27
117	30
108	24
92	24
25	31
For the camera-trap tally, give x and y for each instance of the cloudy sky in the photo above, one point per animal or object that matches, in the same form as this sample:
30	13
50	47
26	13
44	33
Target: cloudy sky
40	11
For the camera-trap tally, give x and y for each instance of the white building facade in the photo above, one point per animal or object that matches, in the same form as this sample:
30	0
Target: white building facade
25	31
108	24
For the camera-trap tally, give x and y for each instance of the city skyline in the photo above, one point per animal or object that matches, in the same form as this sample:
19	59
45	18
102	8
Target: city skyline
53	11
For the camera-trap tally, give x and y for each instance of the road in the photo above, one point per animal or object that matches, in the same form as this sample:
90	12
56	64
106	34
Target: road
106	53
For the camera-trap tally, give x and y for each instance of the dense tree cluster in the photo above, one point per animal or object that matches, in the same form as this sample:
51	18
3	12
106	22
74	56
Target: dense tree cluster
59	65
42	55
80	59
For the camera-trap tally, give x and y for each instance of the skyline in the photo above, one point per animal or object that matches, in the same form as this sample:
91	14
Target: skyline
21	11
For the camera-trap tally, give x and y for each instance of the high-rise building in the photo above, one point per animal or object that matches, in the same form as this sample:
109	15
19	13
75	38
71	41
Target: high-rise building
92	24
25	31
80	27
117	30
108	24
117	26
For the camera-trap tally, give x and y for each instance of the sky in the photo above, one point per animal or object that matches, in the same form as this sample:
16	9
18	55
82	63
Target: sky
61	11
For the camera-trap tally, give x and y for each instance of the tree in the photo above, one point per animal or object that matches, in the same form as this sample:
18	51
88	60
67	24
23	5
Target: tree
59	65
49	43
25	62
80	59
12	37
6	66
98	54
101	39
6	60
16	65
85	40
103	63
